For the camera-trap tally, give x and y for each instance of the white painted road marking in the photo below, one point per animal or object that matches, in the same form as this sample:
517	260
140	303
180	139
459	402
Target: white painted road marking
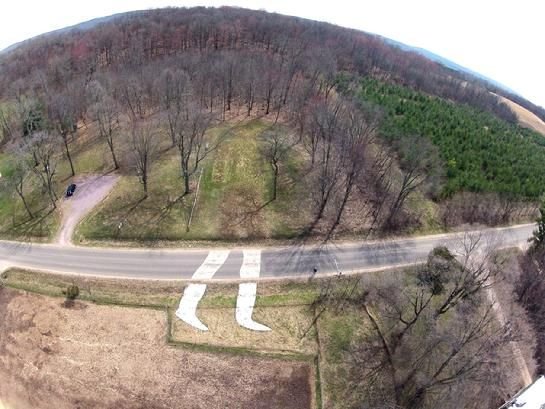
211	265
251	268
251	264
187	310
3	266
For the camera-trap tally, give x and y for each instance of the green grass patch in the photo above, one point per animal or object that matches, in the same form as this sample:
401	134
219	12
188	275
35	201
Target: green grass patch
232	204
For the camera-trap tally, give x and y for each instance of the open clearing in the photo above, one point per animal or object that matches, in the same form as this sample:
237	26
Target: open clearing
91	356
232	203
526	118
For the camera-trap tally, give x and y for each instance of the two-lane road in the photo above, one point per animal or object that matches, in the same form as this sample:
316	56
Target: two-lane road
276	262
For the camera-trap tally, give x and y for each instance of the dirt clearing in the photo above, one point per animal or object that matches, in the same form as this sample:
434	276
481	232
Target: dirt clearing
91	190
93	356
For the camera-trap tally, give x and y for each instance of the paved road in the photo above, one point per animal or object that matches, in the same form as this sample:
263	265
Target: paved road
294	261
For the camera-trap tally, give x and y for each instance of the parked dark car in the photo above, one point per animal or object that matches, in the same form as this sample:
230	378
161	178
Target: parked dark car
71	189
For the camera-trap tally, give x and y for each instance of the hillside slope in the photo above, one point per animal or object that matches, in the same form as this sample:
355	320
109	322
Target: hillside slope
526	117
280	116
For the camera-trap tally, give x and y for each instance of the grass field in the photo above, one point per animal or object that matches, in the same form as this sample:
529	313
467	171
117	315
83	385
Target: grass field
232	200
110	356
284	306
526	118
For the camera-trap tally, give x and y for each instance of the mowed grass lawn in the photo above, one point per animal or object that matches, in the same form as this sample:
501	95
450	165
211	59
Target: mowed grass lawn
232	203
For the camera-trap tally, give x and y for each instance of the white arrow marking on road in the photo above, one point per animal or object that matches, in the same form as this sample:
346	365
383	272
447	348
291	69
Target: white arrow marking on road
187	310
251	268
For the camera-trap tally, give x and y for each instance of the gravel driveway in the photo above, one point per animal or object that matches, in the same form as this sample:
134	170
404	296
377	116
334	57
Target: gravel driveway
91	190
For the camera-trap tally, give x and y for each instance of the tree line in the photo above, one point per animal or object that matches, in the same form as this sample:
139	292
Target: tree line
138	38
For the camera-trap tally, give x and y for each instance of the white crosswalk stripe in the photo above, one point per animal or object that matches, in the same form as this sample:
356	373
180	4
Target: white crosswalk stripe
211	265
187	310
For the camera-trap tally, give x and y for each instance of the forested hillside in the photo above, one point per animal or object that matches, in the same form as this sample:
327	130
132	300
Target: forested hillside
337	127
138	38
481	153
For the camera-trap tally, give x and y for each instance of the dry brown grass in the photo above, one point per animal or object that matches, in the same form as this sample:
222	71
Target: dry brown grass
526	118
92	356
289	325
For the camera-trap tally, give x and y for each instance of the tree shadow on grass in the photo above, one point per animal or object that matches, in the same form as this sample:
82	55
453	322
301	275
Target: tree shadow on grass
31	227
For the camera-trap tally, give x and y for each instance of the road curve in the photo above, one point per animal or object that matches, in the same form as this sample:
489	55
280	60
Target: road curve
276	262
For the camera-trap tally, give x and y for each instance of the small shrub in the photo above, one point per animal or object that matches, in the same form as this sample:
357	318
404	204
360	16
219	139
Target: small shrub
72	292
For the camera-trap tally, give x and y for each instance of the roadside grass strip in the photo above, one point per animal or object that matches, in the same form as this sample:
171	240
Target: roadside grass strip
187	310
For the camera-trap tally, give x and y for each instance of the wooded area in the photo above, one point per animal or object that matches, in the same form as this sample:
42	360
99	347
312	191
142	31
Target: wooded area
174	74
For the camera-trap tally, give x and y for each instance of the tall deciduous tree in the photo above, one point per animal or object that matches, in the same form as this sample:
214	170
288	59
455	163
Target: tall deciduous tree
18	178
144	144
413	358
274	150
44	150
62	114
174	90
420	164
105	111
190	142
359	131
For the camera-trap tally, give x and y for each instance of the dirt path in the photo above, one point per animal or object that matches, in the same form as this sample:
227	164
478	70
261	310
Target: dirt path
91	190
91	356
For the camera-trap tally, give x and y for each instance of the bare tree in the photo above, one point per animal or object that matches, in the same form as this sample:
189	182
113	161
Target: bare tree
133	97
190	141
6	125
327	123
18	177
63	117
274	150
414	358
104	110
249	83
44	149
361	123
144	144
175	92
420	165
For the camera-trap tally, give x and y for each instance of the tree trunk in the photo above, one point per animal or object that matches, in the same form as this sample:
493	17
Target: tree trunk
111	145
20	193
347	192
275	180
65	140
186	182
145	183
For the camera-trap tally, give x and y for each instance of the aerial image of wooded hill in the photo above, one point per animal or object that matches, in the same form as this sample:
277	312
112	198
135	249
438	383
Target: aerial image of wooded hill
230	124
241	209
